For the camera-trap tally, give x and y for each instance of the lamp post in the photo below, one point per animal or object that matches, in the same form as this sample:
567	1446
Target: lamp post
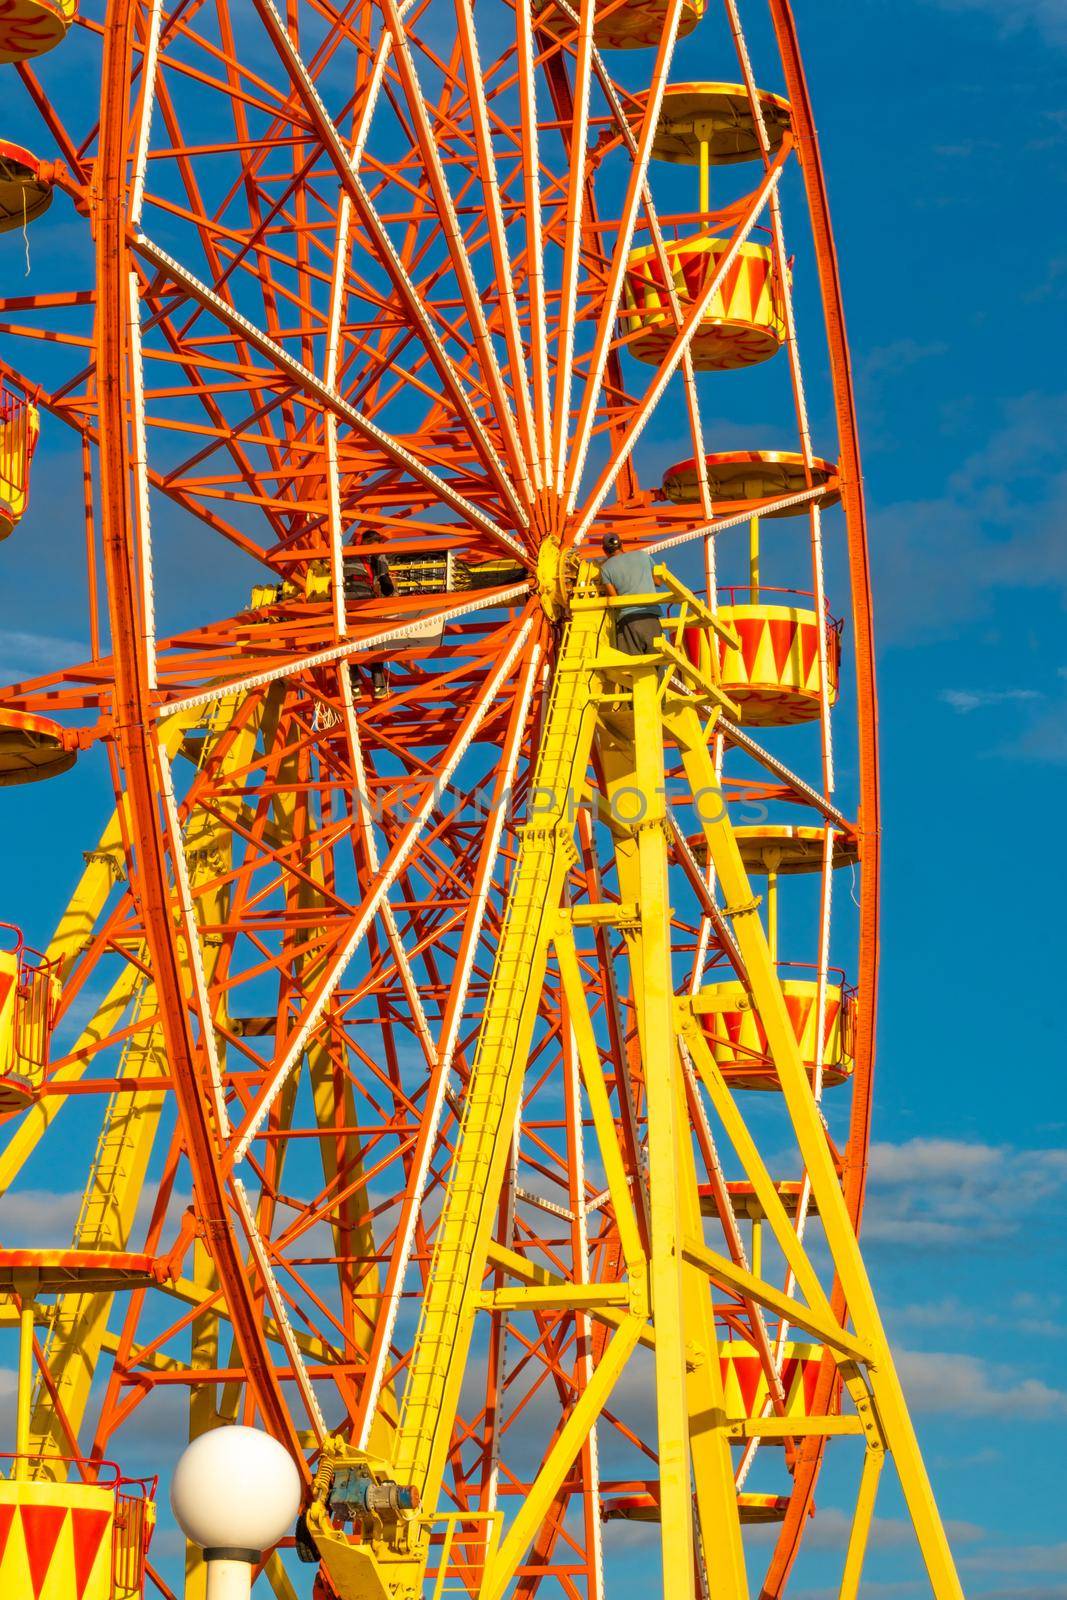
235	1492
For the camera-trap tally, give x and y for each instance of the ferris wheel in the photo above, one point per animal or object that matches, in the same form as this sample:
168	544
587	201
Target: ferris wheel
430	1018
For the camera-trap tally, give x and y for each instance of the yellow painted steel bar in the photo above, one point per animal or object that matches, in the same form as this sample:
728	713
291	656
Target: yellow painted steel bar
557	1297
569	1440
546	853
531	1273
811	1139
600	1106
632	758
654	992
25	1382
873	1461
720	1269
131	1119
746	1150
795	1427
722	1548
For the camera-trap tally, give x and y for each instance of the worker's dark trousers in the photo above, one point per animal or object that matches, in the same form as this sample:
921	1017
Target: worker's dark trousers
637	634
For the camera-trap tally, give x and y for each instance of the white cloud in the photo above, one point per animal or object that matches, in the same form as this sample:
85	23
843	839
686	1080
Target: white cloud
1048	17
1034	1316
1040	1558
831	1527
965	700
942	562
894	1589
39	1217
44	1219
31	655
948	1384
1040	735
899	355
1043	737
949	1192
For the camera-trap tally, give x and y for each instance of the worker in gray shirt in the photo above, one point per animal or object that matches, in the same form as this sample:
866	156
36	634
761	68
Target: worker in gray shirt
630	572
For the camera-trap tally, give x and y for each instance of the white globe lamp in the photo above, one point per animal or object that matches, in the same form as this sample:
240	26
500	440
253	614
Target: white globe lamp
235	1492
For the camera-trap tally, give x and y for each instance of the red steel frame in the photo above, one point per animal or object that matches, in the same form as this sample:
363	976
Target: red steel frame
441	426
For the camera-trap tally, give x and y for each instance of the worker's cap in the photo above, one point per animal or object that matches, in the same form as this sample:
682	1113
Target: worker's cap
611	542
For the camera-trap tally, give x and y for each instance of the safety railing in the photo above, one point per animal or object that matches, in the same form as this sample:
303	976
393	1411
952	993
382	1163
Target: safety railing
754	593
18	439
131	1535
463	1558
835	978
842	1038
134	1515
34	1004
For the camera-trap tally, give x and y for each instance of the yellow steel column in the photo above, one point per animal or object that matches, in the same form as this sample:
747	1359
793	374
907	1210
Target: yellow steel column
826	1189
26	1287
712	1465
131	1119
600	1106
705	174
772	914
713	1471
655	1000
546	854
873	1461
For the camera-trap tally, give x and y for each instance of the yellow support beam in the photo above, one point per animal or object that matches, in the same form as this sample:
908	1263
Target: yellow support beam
603	1121
873	1461
546	854
795	1427
117	1177
557	1297
814	1149
664	1301
721	1270
565	1447
631	753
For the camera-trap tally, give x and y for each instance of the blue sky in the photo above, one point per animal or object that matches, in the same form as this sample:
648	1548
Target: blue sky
944	133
